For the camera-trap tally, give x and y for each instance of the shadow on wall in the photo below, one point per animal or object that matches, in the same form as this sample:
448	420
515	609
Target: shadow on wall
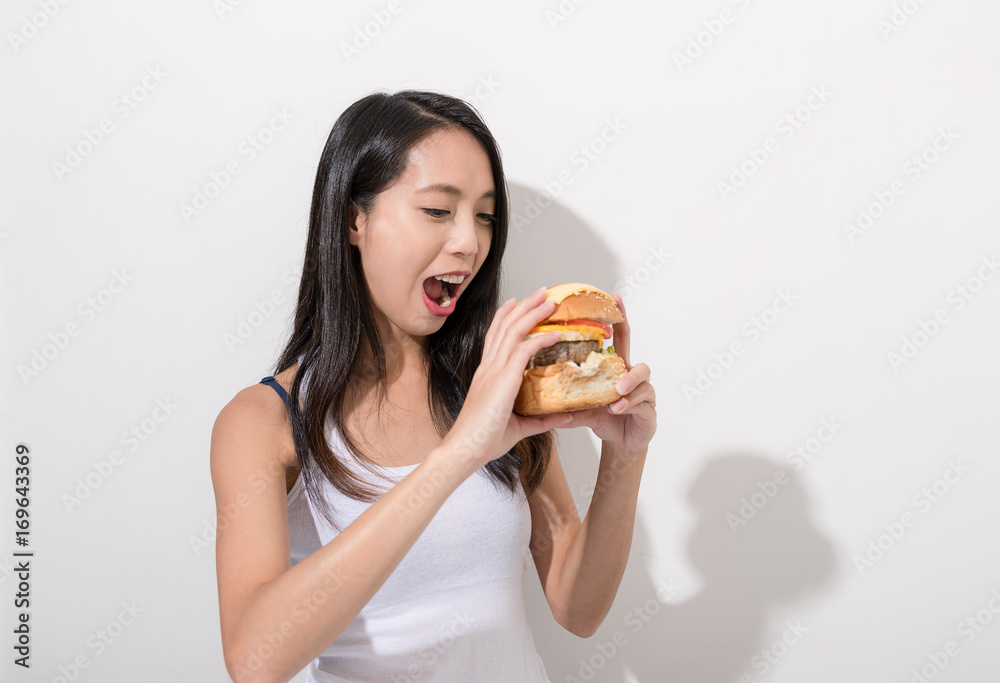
657	630
547	244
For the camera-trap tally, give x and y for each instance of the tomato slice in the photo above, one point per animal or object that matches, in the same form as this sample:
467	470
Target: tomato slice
606	329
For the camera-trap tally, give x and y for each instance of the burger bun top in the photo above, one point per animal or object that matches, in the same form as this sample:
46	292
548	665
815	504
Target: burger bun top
588	305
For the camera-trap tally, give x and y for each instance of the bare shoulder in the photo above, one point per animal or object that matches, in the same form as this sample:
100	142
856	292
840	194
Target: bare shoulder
251	444
258	415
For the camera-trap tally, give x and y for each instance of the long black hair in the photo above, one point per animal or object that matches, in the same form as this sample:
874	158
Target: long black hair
367	150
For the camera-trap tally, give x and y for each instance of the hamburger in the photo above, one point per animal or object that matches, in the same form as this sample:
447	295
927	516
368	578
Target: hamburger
575	373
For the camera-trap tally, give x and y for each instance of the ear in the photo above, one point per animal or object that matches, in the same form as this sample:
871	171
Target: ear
357	221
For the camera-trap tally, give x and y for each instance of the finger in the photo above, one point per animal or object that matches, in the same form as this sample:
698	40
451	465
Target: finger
526	315
542	423
502	346
643	393
583	418
498	318
621	334
507	311
505	308
528	303
632	379
532	345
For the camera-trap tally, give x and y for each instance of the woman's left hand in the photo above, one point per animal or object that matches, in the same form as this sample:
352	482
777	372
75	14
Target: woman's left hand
630	422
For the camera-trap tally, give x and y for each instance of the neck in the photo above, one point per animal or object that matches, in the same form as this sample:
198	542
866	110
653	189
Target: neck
404	357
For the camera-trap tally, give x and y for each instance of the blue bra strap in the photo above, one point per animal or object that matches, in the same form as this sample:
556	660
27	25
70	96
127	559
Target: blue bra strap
273	383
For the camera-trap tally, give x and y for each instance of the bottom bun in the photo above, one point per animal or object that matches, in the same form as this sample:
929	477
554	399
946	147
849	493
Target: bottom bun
564	387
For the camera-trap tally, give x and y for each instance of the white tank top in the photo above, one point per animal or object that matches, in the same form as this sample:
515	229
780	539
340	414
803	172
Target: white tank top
453	609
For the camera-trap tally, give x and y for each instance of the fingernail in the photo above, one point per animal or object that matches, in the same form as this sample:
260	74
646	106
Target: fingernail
622	387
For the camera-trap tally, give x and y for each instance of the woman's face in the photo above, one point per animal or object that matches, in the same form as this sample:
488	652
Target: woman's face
435	219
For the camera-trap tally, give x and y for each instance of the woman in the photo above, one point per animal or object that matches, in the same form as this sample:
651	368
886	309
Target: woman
419	577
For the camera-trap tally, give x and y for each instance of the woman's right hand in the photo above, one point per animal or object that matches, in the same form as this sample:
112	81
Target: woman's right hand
487	427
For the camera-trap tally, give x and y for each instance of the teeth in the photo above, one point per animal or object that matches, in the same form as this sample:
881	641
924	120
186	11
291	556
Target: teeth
453	279
445	299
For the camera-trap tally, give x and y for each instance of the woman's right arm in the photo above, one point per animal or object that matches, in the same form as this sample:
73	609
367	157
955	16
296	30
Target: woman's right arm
276	618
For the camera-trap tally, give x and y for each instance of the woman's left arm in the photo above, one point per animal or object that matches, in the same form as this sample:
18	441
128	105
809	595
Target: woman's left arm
581	565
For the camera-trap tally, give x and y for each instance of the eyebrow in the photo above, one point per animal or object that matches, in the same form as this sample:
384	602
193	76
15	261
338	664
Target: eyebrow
451	189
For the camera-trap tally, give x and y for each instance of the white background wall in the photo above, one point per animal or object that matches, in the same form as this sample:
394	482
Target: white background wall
705	598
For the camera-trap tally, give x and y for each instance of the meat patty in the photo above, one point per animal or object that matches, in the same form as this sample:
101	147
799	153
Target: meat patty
564	352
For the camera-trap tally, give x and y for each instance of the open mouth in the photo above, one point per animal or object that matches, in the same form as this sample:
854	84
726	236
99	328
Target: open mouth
440	292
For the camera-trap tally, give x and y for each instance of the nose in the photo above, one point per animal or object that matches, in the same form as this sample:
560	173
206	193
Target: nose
463	237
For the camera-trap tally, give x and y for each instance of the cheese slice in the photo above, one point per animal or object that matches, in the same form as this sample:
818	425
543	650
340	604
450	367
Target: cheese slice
583	332
557	293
